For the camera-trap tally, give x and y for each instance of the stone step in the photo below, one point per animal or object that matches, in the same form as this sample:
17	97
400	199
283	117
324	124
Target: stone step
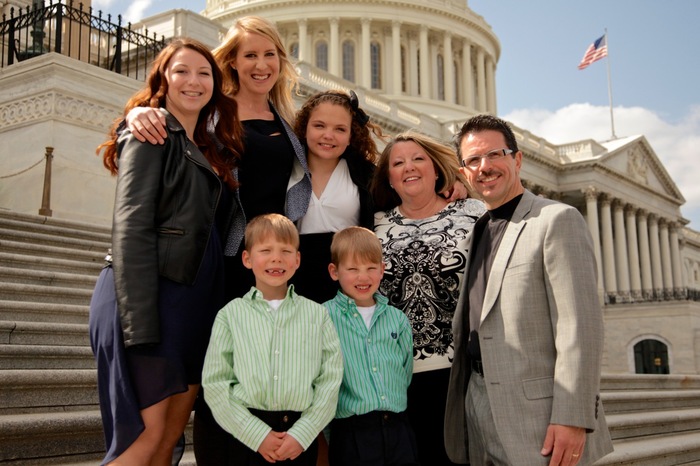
73	438
619	401
44	294
627	382
640	424
665	450
14	357
33	262
53	226
43	333
70	225
66	242
31	439
23	311
40	250
48	278
46	391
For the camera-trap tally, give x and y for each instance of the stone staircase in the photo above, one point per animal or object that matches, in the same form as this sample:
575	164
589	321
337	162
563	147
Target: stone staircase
48	396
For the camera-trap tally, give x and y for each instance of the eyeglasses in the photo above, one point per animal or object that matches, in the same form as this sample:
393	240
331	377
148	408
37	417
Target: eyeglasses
474	161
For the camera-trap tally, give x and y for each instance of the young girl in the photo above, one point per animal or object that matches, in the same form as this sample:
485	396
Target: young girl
341	153
273	176
153	308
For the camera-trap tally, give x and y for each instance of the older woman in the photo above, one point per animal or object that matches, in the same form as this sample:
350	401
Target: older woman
424	238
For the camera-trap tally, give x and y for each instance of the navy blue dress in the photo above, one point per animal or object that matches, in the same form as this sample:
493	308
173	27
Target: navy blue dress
138	377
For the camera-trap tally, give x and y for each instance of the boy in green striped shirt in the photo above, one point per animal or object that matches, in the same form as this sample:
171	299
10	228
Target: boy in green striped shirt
273	365
370	425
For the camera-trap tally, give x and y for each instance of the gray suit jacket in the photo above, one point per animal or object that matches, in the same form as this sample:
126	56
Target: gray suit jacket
541	337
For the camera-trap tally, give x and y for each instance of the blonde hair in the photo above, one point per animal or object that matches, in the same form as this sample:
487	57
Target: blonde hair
225	54
356	242
444	160
275	225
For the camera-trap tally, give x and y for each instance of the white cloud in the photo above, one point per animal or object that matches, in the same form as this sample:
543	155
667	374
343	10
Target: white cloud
135	11
102	4
676	144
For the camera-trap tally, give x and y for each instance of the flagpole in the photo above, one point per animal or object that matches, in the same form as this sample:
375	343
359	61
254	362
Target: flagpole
610	98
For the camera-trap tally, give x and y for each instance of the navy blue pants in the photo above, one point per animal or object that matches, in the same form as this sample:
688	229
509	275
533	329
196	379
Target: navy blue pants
378	438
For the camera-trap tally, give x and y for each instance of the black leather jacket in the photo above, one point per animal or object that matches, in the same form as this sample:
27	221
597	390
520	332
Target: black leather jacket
164	210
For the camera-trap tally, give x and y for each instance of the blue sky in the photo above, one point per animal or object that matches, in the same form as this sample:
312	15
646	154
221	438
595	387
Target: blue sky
654	65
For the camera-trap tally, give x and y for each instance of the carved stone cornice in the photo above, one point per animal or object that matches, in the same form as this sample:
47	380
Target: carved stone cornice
57	105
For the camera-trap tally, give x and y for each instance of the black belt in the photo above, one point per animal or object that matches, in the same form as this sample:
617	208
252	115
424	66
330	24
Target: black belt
371	418
477	366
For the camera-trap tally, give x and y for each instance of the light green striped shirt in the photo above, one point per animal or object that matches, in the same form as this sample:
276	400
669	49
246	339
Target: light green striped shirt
378	360
274	361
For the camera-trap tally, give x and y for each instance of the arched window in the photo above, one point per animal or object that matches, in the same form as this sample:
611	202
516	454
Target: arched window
349	60
651	357
376	65
322	55
441	77
294	50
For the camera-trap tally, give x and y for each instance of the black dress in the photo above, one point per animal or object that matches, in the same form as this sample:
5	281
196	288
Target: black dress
264	172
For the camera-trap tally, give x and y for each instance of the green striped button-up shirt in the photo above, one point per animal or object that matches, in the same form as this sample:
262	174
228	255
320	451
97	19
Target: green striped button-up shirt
281	360
378	360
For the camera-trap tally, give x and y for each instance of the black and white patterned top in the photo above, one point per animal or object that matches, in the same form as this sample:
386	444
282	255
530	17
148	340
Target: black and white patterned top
425	263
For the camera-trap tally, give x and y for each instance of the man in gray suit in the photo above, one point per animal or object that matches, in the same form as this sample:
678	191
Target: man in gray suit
528	328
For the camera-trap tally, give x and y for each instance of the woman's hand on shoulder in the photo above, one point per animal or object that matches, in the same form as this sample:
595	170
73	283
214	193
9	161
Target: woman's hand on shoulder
147	124
458	191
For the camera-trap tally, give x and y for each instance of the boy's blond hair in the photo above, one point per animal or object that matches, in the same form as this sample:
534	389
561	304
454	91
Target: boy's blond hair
279	226
356	242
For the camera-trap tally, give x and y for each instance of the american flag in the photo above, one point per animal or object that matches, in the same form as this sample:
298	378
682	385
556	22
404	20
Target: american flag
595	51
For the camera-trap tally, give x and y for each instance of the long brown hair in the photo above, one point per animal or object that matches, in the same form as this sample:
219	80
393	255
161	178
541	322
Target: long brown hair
220	114
361	131
225	54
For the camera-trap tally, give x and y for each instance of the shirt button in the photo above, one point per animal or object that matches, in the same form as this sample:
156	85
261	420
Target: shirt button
383	397
355	314
277	351
374	369
275	377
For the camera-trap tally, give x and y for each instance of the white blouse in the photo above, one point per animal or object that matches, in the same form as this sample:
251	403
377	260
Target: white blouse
337	208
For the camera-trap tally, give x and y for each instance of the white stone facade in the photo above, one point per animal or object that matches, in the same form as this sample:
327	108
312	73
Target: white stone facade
648	258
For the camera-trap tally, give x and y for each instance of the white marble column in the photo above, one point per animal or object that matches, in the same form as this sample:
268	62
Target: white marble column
655	248
480	80
365	55
467	78
490	85
433	46
424	70
608	249
413	64
334	48
303	41
633	252
594	228
449	71
678	283
397	71
666	258
644	255
621	259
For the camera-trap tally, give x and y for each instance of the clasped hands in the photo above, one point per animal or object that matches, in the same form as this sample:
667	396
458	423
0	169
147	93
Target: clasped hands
279	446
